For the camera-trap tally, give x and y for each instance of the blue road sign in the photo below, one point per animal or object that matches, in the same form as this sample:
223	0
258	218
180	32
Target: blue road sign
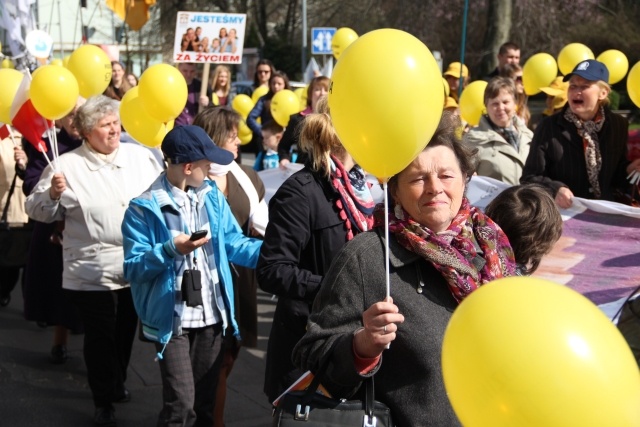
321	40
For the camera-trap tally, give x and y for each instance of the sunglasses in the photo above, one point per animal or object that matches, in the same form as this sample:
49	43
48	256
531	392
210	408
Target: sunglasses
264	71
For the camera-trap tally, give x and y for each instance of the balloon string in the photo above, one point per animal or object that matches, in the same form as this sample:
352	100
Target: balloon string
386	241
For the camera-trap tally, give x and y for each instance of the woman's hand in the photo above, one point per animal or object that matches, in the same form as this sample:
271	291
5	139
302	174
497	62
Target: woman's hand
284	163
20	157
186	246
204	100
634	166
564	198
379	329
58	185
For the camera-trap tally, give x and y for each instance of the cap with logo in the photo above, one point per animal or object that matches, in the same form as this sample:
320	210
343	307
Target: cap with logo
591	70
188	144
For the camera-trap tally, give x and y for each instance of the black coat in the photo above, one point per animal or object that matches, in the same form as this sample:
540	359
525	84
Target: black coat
556	158
304	234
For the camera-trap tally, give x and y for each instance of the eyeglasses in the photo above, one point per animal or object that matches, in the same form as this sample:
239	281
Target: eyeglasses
264	71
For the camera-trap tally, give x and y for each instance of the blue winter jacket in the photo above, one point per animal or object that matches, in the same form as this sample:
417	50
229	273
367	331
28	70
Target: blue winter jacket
150	269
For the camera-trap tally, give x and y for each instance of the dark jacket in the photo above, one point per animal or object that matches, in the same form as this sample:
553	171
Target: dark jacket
556	158
409	376
304	234
291	139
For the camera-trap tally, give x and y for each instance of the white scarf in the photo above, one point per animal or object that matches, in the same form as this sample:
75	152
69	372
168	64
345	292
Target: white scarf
258	210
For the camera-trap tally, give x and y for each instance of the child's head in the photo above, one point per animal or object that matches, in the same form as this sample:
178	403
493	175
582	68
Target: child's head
278	81
529	217
271	135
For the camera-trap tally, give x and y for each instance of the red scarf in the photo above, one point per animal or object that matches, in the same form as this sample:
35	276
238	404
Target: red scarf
451	252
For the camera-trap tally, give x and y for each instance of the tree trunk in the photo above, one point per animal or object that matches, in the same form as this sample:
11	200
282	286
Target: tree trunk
497	33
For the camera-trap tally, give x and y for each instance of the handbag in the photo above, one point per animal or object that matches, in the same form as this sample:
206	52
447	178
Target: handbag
14	237
308	408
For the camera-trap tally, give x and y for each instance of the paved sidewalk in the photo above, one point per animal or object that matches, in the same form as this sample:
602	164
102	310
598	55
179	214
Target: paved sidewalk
35	393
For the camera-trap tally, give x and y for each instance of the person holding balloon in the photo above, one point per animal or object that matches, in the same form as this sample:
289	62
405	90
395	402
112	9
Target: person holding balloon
89	189
441	249
264	70
501	138
318	87
312	215
194	99
244	191
582	150
262	109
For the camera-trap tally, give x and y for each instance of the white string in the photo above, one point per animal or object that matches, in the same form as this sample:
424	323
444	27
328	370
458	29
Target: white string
15	144
386	237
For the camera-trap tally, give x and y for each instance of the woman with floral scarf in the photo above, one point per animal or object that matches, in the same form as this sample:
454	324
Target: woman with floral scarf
440	250
581	151
311	216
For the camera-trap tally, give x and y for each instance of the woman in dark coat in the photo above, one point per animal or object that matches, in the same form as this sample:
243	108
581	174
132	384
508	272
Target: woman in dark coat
311	216
44	301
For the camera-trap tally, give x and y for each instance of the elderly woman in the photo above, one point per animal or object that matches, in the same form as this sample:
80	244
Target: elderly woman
501	137
311	216
582	150
441	249
90	190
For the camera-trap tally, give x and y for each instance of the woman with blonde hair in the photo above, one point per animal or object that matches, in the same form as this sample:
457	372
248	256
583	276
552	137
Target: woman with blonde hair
312	215
221	84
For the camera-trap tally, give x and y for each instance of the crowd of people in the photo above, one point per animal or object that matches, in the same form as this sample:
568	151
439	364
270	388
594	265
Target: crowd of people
176	251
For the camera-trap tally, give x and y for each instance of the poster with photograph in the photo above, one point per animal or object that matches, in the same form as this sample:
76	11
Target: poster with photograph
209	37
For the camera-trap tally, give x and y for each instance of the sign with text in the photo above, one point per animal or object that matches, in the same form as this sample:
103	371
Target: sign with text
209	37
321	40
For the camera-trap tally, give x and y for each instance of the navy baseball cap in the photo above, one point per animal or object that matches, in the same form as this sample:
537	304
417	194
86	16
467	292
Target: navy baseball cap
188	144
590	70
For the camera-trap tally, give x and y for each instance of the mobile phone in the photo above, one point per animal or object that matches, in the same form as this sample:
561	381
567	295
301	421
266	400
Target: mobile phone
197	235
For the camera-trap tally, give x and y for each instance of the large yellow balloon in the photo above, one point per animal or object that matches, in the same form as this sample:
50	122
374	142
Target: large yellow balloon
539	71
57	61
617	64
242	104
633	84
341	40
92	68
54	91
301	93
65	61
10	80
164	92
527	352
259	92
7	63
385	133
472	102
138	123
244	133
283	105
571	55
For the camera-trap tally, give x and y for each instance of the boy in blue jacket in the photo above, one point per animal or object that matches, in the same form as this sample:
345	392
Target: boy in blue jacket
179	237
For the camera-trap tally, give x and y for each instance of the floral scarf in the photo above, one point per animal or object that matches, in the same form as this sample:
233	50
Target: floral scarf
453	251
588	131
355	202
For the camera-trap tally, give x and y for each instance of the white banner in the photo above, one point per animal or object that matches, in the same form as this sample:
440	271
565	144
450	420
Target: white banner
209	37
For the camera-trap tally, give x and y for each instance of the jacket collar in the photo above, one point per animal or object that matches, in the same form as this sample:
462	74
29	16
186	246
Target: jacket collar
94	162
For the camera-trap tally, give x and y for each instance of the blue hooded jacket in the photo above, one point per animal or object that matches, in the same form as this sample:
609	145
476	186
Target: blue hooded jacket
150	268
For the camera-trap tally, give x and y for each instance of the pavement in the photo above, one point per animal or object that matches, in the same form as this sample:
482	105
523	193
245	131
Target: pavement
33	392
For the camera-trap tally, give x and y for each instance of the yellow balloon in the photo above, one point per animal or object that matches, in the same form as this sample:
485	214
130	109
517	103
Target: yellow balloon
92	68
571	55
447	89
138	123
164	92
65	61
472	102
384	134
242	104
214	99
539	71
258	92
283	105
341	40
617	64
57	62
244	133
301	93
7	63
10	80
633	84
527	352
54	91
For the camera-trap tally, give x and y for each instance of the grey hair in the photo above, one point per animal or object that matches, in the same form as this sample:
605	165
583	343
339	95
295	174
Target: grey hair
92	111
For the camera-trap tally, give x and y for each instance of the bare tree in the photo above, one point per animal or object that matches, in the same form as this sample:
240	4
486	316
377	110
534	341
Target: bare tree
497	32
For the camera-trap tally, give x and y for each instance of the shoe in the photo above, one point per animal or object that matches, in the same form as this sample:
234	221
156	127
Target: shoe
58	354
122	396
105	417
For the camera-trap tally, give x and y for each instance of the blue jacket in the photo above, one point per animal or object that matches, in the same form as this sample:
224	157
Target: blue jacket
150	269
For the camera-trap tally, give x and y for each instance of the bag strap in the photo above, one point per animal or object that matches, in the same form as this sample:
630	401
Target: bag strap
5	211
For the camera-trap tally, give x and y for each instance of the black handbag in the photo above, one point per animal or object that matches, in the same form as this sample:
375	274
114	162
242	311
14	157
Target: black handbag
14	238
308	408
